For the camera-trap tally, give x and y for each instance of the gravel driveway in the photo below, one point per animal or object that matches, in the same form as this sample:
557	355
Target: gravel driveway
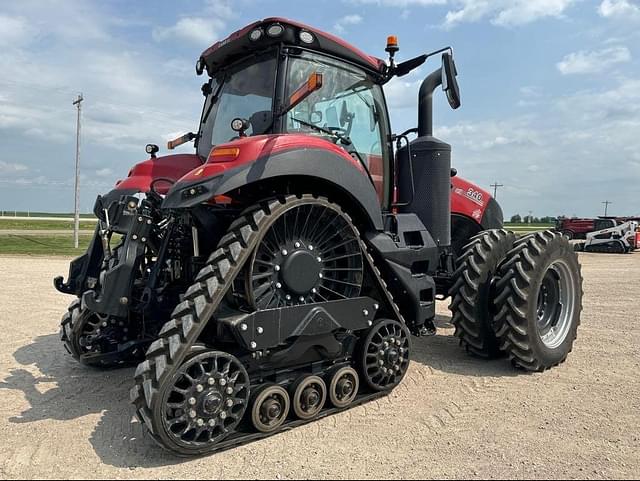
453	416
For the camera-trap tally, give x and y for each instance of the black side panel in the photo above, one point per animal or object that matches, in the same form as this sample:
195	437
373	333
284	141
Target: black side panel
411	258
311	164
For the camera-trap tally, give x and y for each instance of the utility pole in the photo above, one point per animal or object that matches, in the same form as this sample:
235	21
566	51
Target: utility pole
606	207
76	223
495	188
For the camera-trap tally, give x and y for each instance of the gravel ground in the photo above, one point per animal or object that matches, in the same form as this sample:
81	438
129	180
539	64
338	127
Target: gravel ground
453	416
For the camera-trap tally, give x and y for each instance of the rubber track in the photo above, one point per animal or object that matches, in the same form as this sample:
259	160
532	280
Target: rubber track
201	301
476	263
515	292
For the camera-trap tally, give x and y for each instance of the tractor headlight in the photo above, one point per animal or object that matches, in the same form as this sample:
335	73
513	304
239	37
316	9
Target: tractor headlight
195	191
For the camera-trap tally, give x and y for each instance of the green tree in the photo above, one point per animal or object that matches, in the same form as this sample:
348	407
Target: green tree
516	219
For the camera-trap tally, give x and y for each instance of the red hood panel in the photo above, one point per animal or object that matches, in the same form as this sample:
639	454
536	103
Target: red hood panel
170	167
263	146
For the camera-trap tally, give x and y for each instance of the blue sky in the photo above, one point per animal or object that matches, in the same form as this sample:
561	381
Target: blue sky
551	89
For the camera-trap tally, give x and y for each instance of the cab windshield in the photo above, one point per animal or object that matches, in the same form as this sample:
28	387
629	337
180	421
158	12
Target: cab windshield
246	92
349	105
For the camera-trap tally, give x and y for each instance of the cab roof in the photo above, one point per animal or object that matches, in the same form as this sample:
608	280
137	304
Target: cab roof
239	45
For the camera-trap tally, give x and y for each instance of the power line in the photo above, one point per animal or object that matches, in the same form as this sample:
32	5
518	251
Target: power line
606	203
76	224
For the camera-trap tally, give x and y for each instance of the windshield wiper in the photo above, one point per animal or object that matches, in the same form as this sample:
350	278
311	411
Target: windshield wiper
342	138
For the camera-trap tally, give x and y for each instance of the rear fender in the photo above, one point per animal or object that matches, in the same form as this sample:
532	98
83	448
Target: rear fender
312	165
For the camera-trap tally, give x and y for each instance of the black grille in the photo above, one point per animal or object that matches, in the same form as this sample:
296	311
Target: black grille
431	162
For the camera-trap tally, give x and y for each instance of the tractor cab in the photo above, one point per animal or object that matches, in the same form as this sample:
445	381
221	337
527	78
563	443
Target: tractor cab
280	77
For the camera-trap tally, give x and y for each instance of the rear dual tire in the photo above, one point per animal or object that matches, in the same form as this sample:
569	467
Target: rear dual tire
539	301
472	294
520	298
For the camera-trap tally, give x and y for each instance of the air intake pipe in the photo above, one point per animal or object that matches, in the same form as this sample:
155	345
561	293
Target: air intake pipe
425	103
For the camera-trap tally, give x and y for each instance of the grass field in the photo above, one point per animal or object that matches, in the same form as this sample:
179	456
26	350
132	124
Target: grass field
12	213
527	227
42	245
17	224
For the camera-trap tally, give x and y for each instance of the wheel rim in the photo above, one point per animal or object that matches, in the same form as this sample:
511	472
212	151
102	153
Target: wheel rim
310	253
100	334
555	304
270	409
309	397
344	387
206	400
386	355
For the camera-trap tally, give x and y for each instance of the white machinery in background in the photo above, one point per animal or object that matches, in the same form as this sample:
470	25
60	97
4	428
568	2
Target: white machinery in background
619	238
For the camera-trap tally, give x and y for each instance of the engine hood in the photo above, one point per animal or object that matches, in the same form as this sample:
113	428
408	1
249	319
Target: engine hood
168	167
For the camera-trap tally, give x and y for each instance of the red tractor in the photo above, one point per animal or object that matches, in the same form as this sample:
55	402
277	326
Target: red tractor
277	274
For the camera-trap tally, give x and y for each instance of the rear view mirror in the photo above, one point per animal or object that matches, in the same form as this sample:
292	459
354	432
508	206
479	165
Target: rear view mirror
450	81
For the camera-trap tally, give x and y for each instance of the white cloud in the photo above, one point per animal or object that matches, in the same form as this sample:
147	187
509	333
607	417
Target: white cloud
401	3
106	172
7	168
199	31
547	160
585	62
14	30
340	25
505	13
402	93
203	29
621	9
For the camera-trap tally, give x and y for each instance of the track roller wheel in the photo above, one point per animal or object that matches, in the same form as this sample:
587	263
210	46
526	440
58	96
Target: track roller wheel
385	355
472	294
344	386
203	402
270	408
539	300
308	397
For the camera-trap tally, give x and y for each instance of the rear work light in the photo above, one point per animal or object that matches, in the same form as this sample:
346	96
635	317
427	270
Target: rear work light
306	37
224	154
255	35
275	30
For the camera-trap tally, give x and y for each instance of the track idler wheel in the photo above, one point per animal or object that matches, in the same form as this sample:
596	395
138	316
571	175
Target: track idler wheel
203	402
309	396
344	386
385	355
270	408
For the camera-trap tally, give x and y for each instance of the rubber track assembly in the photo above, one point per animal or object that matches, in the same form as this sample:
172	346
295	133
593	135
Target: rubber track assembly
200	303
